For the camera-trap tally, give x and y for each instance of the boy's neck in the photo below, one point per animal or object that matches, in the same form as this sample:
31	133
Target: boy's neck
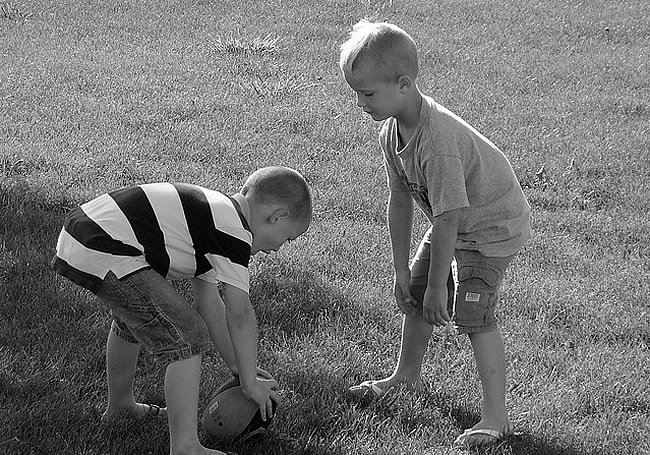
243	204
409	118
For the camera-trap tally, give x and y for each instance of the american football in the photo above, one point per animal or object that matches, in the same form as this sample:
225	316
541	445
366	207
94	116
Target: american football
230	415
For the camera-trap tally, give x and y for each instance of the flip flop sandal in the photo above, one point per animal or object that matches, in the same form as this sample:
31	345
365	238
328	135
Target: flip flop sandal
367	389
155	411
496	436
152	411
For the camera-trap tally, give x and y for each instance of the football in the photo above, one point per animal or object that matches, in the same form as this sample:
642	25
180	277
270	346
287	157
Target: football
230	415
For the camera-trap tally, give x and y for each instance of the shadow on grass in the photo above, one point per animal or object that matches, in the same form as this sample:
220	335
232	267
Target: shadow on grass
297	302
520	443
52	337
275	444
52	366
29	227
422	412
39	304
525	444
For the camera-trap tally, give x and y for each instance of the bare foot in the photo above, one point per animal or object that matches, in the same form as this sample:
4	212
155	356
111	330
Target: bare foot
395	381
140	410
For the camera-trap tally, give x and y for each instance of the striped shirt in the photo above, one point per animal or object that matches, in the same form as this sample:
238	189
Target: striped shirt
177	229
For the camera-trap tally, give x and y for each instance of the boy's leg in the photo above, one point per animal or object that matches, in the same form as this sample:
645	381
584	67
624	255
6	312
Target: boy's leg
478	294
415	331
489	353
415	338
182	395
147	308
121	360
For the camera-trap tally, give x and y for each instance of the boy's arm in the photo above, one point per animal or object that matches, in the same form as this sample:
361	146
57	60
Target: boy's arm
242	326
400	226
443	243
213	311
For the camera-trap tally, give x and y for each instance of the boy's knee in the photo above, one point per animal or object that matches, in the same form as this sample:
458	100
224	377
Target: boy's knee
417	292
419	287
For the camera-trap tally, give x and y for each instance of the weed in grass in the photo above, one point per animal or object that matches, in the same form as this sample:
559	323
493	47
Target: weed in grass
244	45
278	88
11	12
13	167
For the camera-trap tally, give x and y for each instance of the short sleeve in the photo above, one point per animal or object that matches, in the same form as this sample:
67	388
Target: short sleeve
446	184
227	271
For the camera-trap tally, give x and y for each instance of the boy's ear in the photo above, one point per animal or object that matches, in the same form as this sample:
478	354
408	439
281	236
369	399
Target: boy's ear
279	215
404	82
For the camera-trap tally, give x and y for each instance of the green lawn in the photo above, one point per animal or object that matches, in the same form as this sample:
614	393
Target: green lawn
97	95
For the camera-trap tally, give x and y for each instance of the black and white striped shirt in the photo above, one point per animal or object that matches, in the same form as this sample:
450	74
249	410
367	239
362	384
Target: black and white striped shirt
177	229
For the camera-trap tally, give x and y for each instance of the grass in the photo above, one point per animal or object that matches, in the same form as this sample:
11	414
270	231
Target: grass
98	95
243	45
9	11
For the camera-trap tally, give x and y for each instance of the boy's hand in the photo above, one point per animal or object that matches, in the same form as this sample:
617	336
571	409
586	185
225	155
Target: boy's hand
402	286
260	373
263	374
263	392
434	307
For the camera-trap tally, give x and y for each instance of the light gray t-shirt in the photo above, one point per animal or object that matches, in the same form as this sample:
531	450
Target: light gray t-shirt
448	165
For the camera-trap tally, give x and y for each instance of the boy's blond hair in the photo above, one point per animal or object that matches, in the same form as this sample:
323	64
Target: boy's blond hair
281	185
386	46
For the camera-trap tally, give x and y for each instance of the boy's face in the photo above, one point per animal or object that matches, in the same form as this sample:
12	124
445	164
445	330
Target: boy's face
273	233
378	98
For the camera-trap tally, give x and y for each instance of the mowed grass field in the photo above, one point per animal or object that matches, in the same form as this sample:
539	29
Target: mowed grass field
98	95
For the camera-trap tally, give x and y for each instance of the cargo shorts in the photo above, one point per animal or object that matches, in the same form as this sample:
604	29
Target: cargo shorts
473	286
147	310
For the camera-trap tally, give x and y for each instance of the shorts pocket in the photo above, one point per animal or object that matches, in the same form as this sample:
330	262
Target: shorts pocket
111	293
478	276
477	297
158	332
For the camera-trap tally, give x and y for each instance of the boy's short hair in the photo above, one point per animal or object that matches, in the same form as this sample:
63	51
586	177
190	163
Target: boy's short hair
281	185
388	47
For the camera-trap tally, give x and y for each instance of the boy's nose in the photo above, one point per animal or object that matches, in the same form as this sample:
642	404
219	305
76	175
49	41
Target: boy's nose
360	102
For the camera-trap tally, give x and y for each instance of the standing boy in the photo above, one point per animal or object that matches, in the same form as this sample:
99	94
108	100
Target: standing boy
468	191
124	245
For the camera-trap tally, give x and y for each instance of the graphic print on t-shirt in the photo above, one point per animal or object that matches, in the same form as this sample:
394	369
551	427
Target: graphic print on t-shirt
418	192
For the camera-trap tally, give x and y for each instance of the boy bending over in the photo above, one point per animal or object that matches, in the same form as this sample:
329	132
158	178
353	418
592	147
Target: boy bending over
468	191
124	245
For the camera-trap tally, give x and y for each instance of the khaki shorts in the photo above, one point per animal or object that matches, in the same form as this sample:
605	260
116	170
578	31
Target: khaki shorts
474	295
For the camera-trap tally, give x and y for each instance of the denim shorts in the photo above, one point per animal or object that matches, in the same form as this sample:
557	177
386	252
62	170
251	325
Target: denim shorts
148	310
474	295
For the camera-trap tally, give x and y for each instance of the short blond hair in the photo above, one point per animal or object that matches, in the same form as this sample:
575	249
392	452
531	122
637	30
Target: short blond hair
281	185
390	49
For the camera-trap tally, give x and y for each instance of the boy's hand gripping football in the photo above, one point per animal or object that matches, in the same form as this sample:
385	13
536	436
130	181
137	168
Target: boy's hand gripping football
434	306
263	393
401	289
